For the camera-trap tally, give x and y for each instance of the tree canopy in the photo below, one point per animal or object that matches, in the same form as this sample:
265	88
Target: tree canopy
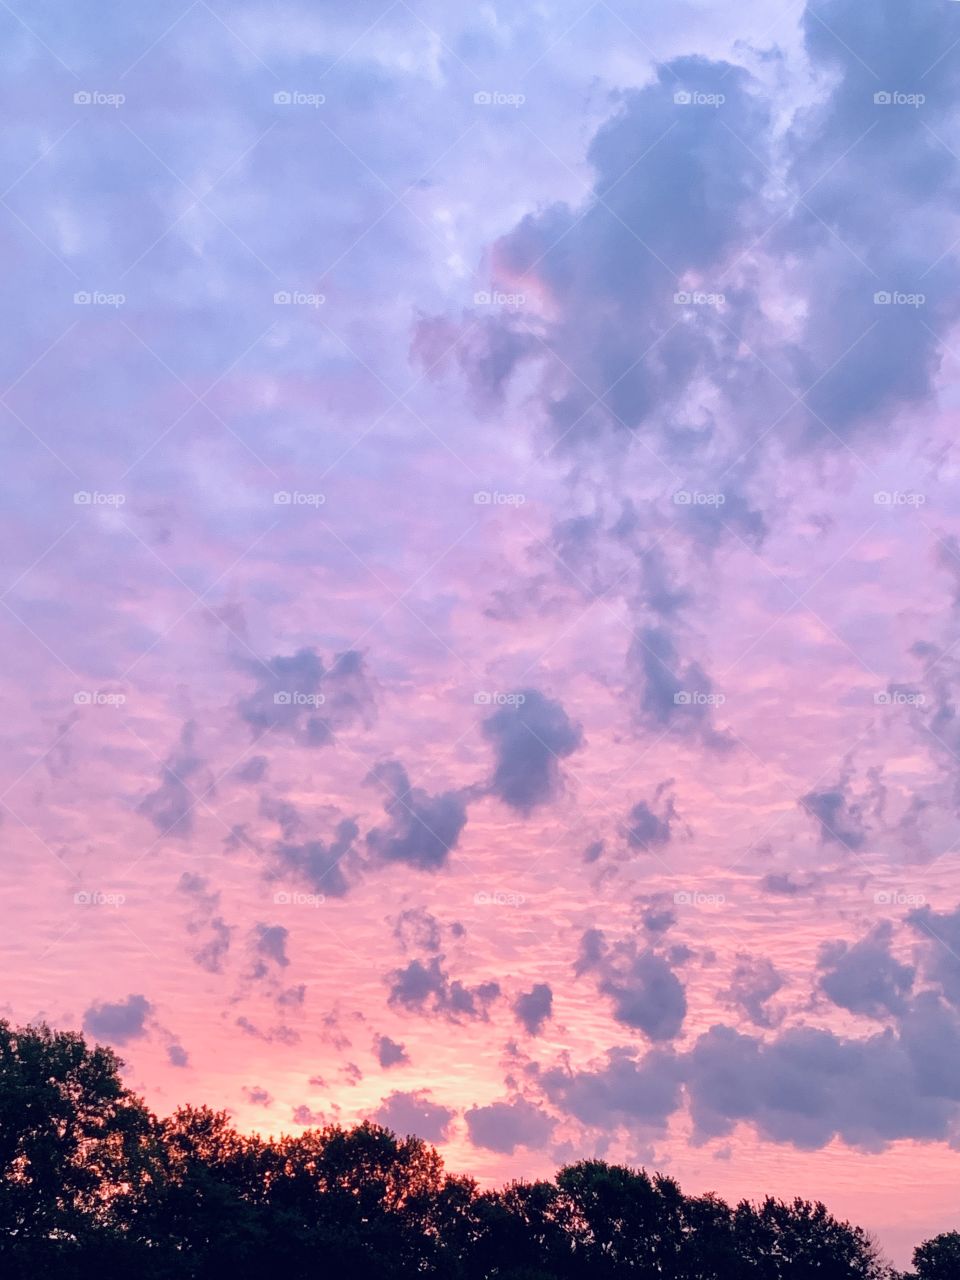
93	1185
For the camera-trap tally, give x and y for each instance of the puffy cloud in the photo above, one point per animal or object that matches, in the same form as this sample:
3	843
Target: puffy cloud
672	695
865	977
298	695
427	988
754	981
648	825
120	1021
504	1126
809	1085
317	864
423	828
269	945
940	931
532	1008
415	1114
530	738
841	820
257	1096
390	1053
643	1092
171	806
645	993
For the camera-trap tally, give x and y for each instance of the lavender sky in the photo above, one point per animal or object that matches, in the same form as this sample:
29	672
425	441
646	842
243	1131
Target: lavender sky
481	574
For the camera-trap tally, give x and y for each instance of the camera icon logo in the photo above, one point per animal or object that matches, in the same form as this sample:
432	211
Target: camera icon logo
482	499
82	498
82	299
882	298
283	98
282	498
281	898
82	99
82	698
283	698
282	298
683	97
482	299
681	698
482	98
882	99
482	699
682	498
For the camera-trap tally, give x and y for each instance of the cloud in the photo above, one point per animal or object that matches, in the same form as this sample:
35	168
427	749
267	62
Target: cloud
299	696
645	993
171	806
414	1114
390	1053
841	821
177	1056
645	827
530	738
119	1022
865	977
533	1008
504	1126
940	931
423	828
426	988
754	981
317	864
671	695
416	929
257	1096
625	1090
269	946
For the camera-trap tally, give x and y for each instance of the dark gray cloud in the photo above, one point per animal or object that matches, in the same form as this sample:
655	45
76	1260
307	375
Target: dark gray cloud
624	1091
300	696
648	824
268	943
753	983
257	1096
865	977
390	1053
177	1056
504	1126
645	993
940	931
427	988
317	864
841	820
211	952
530	738
423	828
417	930
809	1086
171	806
533	1008
120	1021
670	694
415	1114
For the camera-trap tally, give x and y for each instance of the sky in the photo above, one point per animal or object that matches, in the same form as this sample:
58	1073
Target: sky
481	571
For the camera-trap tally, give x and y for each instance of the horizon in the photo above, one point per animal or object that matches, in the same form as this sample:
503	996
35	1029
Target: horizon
482	578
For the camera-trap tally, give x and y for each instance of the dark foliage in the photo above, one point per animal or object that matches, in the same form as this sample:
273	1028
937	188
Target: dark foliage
93	1185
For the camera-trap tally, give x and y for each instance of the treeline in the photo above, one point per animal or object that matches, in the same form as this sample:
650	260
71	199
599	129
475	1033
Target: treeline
93	1185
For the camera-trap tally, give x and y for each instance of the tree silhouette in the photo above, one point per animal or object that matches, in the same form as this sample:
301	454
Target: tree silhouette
92	1185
